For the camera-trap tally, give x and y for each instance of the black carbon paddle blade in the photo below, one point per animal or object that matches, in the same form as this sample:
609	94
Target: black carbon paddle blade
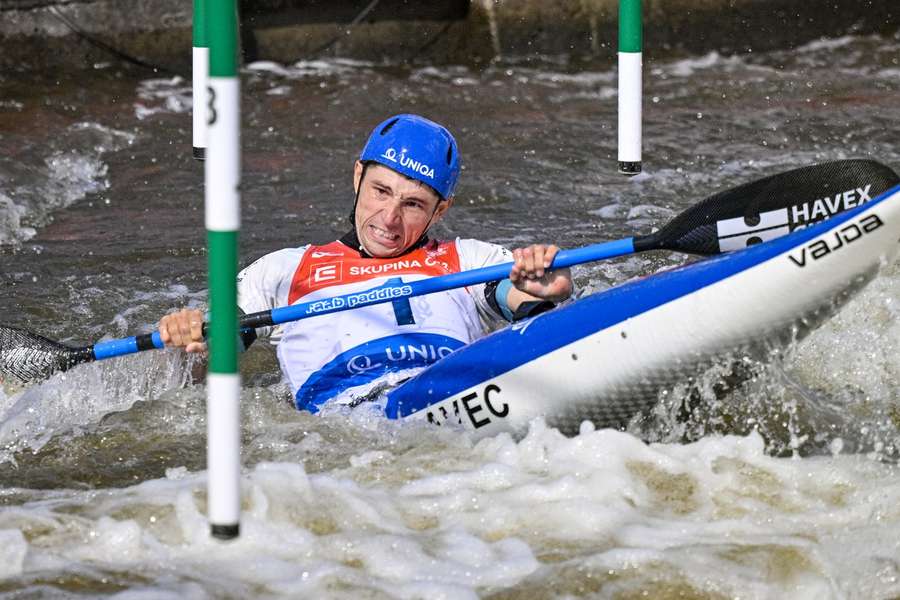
771	207
29	357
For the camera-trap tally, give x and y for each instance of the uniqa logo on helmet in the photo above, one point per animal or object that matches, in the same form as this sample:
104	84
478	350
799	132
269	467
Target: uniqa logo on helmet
410	163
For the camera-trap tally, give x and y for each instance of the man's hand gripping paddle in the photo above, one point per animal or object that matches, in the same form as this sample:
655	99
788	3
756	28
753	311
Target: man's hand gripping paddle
751	213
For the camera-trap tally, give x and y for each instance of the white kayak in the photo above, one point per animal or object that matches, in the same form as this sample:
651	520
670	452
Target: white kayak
608	356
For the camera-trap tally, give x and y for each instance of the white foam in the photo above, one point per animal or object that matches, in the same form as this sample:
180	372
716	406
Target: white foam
281	90
11	228
849	369
644	211
712	60
892	74
456	75
827	44
688	66
32	193
13	548
611	211
163	96
604	92
265	66
326	68
583	79
63	404
461	520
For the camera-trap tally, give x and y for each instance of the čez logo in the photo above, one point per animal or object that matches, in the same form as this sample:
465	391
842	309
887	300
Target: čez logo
325	273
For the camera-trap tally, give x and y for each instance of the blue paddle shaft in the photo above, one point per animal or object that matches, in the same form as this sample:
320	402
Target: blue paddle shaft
389	293
384	293
128	345
115	348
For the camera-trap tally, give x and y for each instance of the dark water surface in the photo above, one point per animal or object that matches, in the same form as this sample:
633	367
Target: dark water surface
101	232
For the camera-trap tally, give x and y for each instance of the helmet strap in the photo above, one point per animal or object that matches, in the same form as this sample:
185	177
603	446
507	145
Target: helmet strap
362	178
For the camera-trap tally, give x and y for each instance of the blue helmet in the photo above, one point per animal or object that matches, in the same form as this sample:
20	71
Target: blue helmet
418	148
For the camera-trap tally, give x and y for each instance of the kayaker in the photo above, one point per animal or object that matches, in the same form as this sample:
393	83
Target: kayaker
404	182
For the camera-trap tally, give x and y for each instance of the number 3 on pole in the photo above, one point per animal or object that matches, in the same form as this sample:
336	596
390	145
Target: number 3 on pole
211	107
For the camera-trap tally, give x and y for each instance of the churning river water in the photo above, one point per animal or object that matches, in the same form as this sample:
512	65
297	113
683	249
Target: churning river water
787	487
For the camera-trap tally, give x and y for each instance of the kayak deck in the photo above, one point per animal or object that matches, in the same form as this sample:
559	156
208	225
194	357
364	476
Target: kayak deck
607	357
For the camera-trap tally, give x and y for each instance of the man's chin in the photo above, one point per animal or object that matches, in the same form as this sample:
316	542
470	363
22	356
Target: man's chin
378	250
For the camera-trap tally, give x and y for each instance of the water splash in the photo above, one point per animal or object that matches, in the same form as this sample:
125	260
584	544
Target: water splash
598	514
67	402
836	391
32	191
163	96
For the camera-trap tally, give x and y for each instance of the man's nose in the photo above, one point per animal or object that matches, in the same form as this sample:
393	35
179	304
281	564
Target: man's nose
392	212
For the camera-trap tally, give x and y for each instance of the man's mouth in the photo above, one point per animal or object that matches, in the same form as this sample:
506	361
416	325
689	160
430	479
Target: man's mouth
382	235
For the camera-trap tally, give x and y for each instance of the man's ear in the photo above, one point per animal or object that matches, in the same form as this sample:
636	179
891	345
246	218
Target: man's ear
443	207
357	176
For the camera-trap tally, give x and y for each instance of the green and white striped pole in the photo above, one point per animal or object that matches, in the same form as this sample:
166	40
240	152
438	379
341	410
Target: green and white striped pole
223	220
630	86
200	79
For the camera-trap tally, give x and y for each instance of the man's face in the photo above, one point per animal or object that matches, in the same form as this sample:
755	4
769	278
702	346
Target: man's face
393	211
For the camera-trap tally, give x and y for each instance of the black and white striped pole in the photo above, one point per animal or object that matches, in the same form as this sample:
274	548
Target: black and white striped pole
223	221
200	78
630	86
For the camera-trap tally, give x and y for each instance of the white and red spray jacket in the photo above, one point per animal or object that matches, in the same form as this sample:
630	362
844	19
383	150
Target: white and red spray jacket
343	353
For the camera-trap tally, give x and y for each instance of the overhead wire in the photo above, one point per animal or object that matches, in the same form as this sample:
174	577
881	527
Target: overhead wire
107	47
128	58
356	21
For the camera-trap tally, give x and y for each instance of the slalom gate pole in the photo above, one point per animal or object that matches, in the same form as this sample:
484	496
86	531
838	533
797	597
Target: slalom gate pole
630	86
200	79
223	221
